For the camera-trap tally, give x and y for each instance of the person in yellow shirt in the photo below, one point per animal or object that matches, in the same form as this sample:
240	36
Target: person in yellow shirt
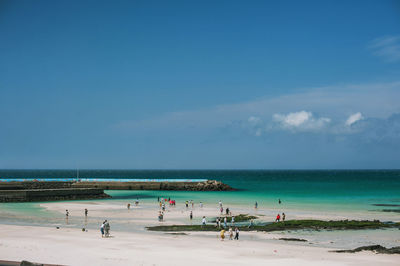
222	234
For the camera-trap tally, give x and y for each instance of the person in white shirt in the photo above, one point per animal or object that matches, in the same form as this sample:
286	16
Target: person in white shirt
204	221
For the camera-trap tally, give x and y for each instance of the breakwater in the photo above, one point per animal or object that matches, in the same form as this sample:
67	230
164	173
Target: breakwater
17	191
51	194
208	185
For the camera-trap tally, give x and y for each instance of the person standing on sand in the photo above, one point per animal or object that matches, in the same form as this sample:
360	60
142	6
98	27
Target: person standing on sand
225	225
278	218
230	233
233	220
201	204
66	214
222	210
106	229
203	222
255	205
191	215
86	212
128	206
220	203
283	217
236	233
102	229
222	234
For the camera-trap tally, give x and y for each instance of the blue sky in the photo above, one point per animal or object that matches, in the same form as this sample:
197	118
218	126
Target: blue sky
200	84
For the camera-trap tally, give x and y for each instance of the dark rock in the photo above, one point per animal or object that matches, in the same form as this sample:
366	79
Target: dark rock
28	263
293	239
375	248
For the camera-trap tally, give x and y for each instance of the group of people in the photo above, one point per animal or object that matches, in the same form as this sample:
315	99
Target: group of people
230	232
219	220
105	229
278	217
128	206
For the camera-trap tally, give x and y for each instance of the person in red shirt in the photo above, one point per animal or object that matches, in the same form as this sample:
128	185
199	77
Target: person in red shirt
278	218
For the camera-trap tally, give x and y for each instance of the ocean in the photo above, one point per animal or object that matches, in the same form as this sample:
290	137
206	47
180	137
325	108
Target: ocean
348	189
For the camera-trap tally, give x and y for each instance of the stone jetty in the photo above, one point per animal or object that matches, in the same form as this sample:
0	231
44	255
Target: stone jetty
20	191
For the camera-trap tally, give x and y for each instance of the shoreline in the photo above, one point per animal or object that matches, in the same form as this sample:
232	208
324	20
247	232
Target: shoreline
73	247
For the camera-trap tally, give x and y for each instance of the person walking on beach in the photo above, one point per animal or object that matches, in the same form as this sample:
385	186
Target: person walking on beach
204	221
222	234
233	220
255	205
278	218
107	229
86	212
66	214
225	224
128	206
187	204
191	215
102	229
236	233
251	223
283	217
227	211
230	233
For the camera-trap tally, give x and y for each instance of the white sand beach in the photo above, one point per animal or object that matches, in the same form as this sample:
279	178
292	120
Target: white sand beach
131	244
74	247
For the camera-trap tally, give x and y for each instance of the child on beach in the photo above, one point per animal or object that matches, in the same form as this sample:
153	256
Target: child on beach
230	233
222	234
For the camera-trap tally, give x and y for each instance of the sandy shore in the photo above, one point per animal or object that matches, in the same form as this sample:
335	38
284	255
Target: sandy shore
131	244
73	247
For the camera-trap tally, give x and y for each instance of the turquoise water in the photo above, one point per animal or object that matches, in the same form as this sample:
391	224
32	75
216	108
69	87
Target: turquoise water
327	189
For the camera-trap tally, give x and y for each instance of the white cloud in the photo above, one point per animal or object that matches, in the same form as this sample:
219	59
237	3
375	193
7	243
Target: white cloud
378	100
354	118
254	120
302	120
387	48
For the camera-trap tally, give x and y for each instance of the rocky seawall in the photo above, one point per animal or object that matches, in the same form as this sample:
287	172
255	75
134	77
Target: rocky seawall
209	185
24	191
27	195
